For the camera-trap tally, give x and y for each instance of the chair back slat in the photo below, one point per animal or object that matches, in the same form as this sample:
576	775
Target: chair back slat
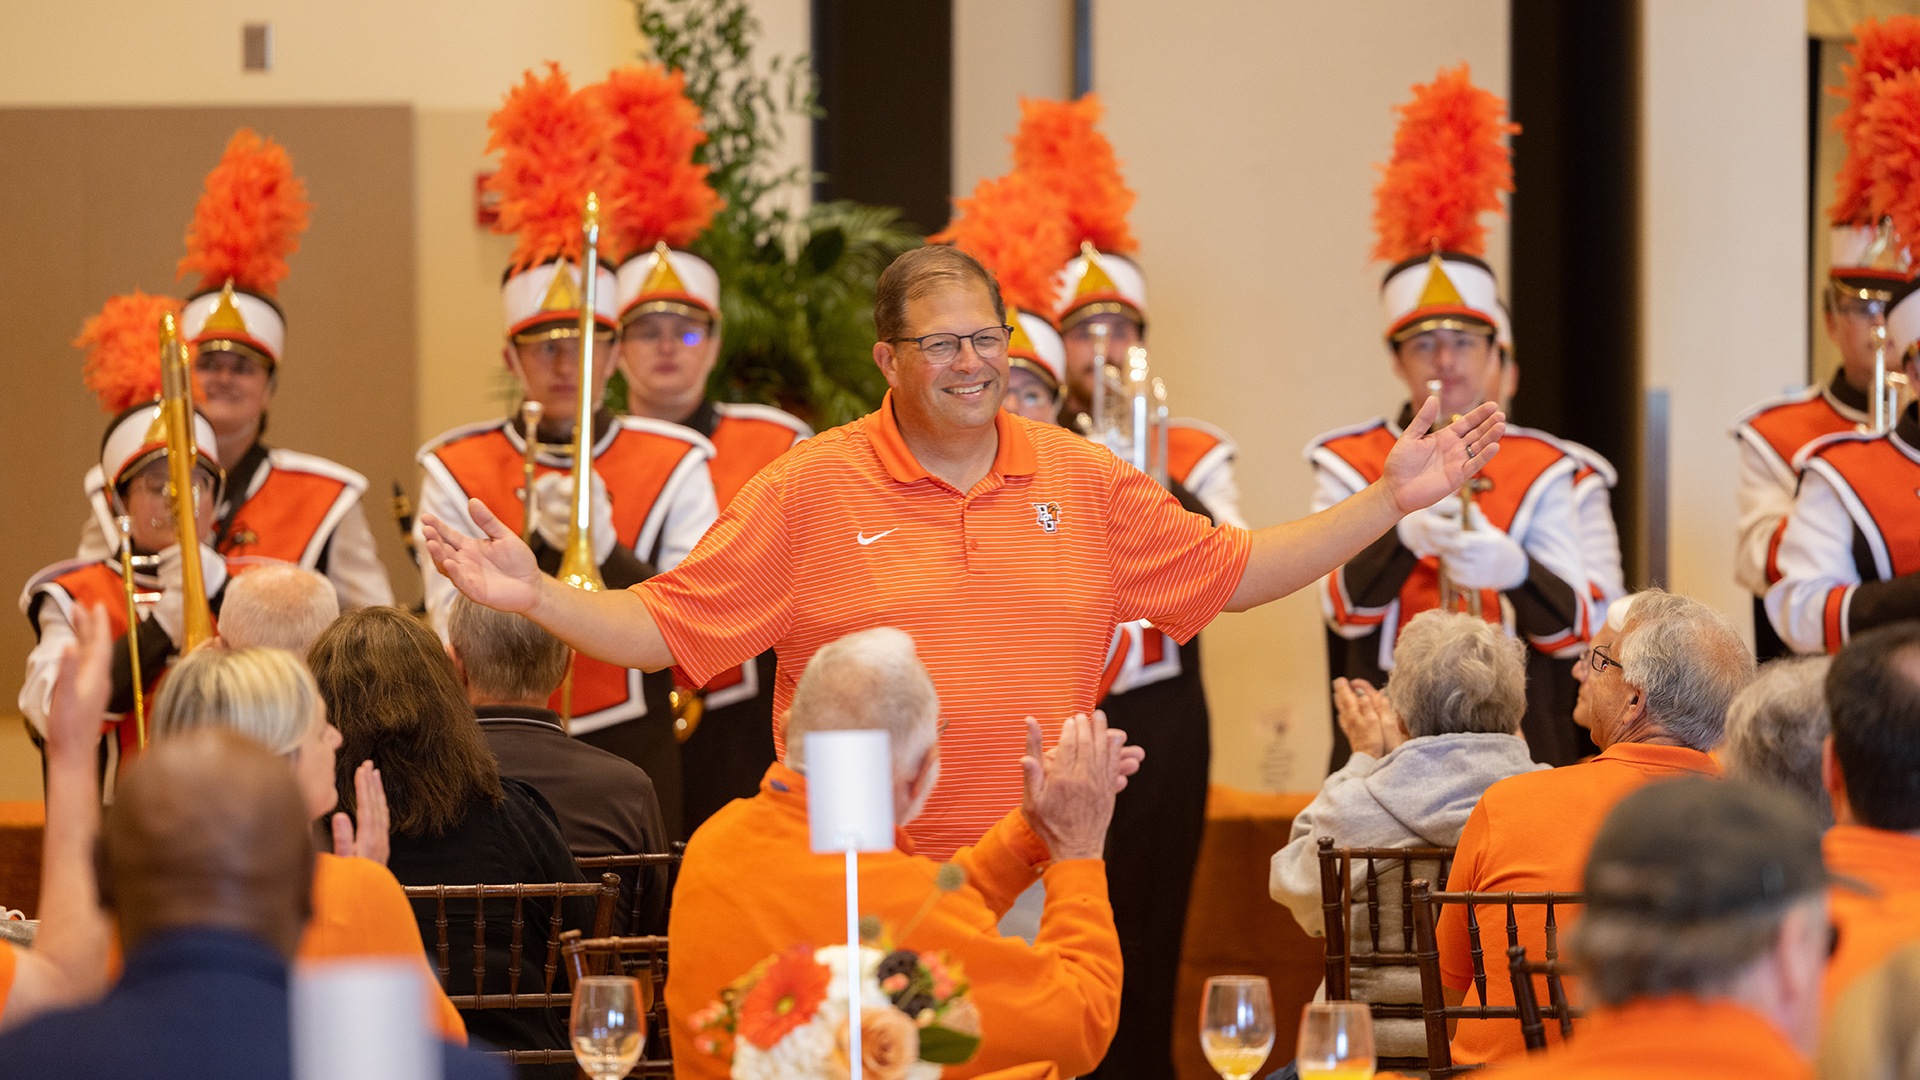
1333	912
604	893
1527	1001
1345	902
640	957
631	870
442	965
1373	903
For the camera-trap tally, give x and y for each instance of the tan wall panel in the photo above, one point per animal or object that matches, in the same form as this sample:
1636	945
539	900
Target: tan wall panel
1003	50
95	202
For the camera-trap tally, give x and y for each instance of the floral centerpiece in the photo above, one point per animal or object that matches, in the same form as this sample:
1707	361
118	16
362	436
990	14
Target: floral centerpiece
786	1018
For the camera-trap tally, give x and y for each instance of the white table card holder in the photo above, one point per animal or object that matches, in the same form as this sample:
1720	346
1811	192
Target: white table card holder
362	1020
850	810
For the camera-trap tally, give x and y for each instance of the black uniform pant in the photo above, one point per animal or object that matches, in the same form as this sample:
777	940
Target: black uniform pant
1767	644
649	742
728	753
1152	847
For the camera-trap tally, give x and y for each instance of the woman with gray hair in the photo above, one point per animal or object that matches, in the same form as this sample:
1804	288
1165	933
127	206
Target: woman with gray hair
1776	728
1446	728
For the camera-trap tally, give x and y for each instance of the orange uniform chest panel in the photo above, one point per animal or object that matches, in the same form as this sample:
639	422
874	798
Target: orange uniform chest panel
281	520
1010	591
99	585
1185	447
1788	428
742	447
1886	480
635	466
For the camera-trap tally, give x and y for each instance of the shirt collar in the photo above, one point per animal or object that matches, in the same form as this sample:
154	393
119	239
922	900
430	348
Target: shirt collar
1014	457
787	790
1881	857
1683	758
1847	401
202	948
488	715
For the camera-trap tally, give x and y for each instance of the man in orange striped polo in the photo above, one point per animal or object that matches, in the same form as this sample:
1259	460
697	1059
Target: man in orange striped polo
1008	549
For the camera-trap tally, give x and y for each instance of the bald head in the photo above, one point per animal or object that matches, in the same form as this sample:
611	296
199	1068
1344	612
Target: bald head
869	681
208	829
277	606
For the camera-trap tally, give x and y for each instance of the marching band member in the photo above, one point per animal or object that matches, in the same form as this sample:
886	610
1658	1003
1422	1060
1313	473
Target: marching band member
1850	549
1867	266
669	340
123	370
1510	546
651	494
278	504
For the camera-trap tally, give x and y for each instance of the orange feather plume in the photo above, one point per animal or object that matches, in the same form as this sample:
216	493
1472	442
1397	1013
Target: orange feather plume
655	190
1889	135
1017	227
550	140
122	345
1882	49
249	218
1060	144
1449	165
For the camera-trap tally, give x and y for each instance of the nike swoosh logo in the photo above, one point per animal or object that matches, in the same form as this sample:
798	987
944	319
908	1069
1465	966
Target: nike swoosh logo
863	539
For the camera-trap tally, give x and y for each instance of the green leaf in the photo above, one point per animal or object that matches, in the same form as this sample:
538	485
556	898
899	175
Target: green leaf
945	1046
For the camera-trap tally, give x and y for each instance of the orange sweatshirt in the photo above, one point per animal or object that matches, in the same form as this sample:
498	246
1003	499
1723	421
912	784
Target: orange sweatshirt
359	911
1669	1038
751	887
1871	927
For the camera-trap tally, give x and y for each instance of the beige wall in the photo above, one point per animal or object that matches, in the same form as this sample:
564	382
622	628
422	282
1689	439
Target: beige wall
1251	132
1723	249
1003	50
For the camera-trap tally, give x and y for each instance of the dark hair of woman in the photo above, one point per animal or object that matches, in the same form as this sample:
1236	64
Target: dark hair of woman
394	695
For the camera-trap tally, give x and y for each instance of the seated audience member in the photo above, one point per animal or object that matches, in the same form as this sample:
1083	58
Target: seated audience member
267	695
277	606
1874	1032
68	962
1872	772
1447	728
391	688
1777	729
1658	700
606	803
210	892
1703	939
751	887
1603	638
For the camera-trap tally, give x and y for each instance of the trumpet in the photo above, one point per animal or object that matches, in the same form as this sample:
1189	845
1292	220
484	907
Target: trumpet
176	419
530	425
1129	409
125	523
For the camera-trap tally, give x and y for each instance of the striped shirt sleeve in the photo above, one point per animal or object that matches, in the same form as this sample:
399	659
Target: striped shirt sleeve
1171	567
731	598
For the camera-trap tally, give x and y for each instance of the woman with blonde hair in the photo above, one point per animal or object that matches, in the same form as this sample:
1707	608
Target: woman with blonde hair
359	910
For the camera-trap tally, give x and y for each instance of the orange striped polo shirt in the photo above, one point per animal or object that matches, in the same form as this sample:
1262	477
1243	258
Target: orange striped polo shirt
1011	590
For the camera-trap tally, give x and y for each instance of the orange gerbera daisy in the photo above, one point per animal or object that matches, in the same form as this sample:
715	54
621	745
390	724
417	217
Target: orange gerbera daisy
784	998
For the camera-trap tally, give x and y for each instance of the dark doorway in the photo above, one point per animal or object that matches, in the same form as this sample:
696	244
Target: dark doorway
1573	257
886	88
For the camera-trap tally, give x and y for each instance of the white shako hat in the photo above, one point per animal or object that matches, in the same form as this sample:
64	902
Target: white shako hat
664	279
1101	283
136	437
1445	290
247	222
1868	261
1036	346
544	300
230	319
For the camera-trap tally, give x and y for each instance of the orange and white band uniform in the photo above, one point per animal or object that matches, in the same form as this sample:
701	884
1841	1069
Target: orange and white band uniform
1011	590
1593	485
1852	525
662	501
1530	495
1771	438
48	601
297	508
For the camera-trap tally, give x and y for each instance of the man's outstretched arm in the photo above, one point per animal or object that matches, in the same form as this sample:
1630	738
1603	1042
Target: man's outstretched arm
499	571
1424	467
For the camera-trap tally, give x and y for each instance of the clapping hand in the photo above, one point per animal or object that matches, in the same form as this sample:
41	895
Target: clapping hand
369	840
1427	465
1367	717
82	688
1070	788
497	571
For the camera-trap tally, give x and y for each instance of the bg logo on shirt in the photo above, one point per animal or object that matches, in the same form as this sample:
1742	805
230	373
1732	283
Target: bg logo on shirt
1047	516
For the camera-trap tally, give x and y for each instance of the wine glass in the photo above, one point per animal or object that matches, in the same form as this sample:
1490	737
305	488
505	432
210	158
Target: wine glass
609	1026
1336	1041
1236	1024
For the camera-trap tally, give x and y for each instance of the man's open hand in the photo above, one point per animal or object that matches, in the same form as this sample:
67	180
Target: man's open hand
1427	465
496	571
1070	788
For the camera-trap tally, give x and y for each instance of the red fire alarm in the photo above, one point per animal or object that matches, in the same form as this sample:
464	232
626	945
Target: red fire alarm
486	204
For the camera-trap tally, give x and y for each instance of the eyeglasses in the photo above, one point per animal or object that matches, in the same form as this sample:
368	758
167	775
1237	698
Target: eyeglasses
1434	343
1031	397
233	365
692	337
943	349
1851	305
1599	659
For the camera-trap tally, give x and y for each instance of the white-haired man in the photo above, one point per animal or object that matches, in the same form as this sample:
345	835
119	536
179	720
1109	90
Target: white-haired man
751	887
278	606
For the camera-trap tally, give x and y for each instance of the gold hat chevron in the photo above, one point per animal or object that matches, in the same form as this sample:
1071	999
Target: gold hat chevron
562	294
1439	291
226	317
1095	282
1884	252
1019	341
662	279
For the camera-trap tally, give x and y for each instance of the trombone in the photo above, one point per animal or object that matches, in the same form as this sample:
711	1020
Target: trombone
176	418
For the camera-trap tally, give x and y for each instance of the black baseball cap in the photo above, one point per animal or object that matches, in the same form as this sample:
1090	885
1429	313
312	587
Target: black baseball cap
1696	850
